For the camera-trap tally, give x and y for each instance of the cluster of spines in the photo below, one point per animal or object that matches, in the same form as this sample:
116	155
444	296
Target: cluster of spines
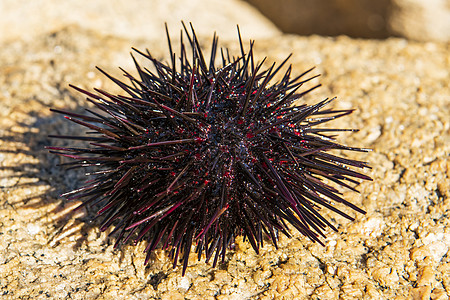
193	152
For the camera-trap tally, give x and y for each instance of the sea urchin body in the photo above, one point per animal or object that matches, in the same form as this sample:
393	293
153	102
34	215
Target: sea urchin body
195	153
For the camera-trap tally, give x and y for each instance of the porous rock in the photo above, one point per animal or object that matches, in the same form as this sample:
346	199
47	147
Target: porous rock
398	250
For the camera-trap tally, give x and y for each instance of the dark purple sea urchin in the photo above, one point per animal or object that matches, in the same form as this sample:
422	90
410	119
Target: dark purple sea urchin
198	153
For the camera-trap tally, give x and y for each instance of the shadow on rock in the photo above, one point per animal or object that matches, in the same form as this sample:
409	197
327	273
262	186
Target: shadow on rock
30	178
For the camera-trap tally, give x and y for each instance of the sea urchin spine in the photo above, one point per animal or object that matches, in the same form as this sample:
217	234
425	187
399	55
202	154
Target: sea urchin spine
198	153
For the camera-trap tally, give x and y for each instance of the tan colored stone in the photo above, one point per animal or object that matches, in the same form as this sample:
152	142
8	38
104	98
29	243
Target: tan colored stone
421	20
421	293
426	276
131	19
414	19
401	95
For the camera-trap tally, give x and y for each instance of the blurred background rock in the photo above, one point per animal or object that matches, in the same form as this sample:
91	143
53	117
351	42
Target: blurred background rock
132	19
413	19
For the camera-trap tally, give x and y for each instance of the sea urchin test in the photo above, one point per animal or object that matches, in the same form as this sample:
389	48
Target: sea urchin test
198	151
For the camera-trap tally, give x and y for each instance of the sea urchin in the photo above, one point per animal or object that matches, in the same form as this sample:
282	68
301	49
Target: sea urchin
198	153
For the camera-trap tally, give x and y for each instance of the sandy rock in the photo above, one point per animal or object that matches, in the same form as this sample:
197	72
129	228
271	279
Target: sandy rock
397	250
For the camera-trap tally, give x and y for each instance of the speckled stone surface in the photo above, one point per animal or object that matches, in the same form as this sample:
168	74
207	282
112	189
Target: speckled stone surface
398	250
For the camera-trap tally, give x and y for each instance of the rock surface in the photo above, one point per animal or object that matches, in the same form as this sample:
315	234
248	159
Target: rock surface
398	250
414	19
356	18
421	20
131	19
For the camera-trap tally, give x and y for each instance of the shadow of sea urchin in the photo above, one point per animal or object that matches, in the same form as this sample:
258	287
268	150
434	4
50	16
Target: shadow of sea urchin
194	152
